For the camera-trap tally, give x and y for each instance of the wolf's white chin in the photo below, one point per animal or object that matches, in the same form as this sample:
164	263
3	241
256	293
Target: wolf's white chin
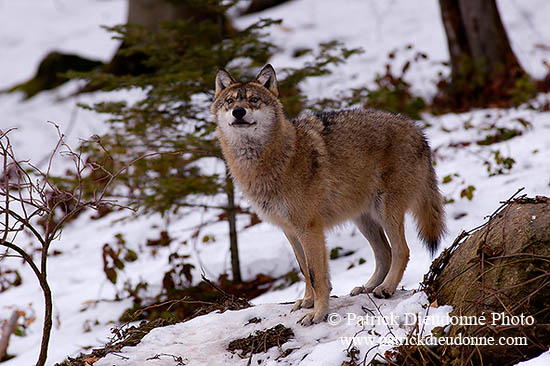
256	132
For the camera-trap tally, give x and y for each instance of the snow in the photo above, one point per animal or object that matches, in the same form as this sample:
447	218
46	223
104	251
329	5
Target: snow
84	306
205	338
542	360
31	29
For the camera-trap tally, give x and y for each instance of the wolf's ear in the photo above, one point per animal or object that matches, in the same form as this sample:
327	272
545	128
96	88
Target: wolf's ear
223	80
268	79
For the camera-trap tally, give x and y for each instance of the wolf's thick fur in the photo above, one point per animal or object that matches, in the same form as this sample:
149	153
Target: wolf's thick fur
314	172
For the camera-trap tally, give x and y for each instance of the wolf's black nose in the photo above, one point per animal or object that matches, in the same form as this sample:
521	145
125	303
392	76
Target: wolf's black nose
239	112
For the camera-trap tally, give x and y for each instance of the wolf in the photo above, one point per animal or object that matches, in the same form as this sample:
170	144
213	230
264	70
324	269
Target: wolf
317	171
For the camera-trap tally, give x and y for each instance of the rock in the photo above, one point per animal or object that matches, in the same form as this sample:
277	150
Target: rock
51	72
501	271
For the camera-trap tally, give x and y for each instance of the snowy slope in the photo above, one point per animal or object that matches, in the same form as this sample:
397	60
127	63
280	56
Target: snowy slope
203	340
32	28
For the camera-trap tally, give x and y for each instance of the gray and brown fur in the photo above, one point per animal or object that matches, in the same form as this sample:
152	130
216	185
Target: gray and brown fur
314	172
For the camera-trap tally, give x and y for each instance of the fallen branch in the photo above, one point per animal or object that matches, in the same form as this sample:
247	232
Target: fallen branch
7	330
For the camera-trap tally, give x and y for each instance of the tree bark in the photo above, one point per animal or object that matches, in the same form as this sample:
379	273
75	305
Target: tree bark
47	328
457	41
151	12
482	60
487	37
474	29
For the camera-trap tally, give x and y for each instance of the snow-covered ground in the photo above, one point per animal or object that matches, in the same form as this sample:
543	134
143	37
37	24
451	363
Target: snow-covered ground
205	338
32	28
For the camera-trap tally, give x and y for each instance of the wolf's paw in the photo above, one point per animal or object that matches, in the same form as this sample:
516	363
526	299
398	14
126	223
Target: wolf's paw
313	318
366	288
361	290
305	303
358	290
384	291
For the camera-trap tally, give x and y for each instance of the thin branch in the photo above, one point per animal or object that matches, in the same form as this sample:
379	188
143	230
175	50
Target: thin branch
25	256
26	223
7	202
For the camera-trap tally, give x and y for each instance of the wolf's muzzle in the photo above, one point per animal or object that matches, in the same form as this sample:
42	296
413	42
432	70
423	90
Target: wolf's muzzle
238	112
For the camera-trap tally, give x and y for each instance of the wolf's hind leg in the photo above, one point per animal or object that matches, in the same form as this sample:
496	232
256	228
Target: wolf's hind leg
399	256
382	252
307	300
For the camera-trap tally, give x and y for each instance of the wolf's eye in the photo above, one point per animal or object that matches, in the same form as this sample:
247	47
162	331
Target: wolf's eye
253	100
229	100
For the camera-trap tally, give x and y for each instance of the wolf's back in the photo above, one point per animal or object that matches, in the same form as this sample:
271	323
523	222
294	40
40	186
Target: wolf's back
396	150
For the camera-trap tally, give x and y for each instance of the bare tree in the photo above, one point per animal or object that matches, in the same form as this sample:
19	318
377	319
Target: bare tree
31	205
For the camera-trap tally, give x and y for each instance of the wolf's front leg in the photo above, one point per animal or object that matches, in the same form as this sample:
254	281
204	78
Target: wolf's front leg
307	300
313	244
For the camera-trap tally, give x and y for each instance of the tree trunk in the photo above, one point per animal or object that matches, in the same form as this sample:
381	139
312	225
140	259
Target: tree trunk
47	328
232	220
456	34
482	60
150	12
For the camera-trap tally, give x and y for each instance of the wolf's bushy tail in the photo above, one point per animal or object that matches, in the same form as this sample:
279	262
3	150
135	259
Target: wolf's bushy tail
429	213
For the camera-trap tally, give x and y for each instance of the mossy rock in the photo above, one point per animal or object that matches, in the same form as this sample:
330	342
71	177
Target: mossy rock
502	271
50	73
